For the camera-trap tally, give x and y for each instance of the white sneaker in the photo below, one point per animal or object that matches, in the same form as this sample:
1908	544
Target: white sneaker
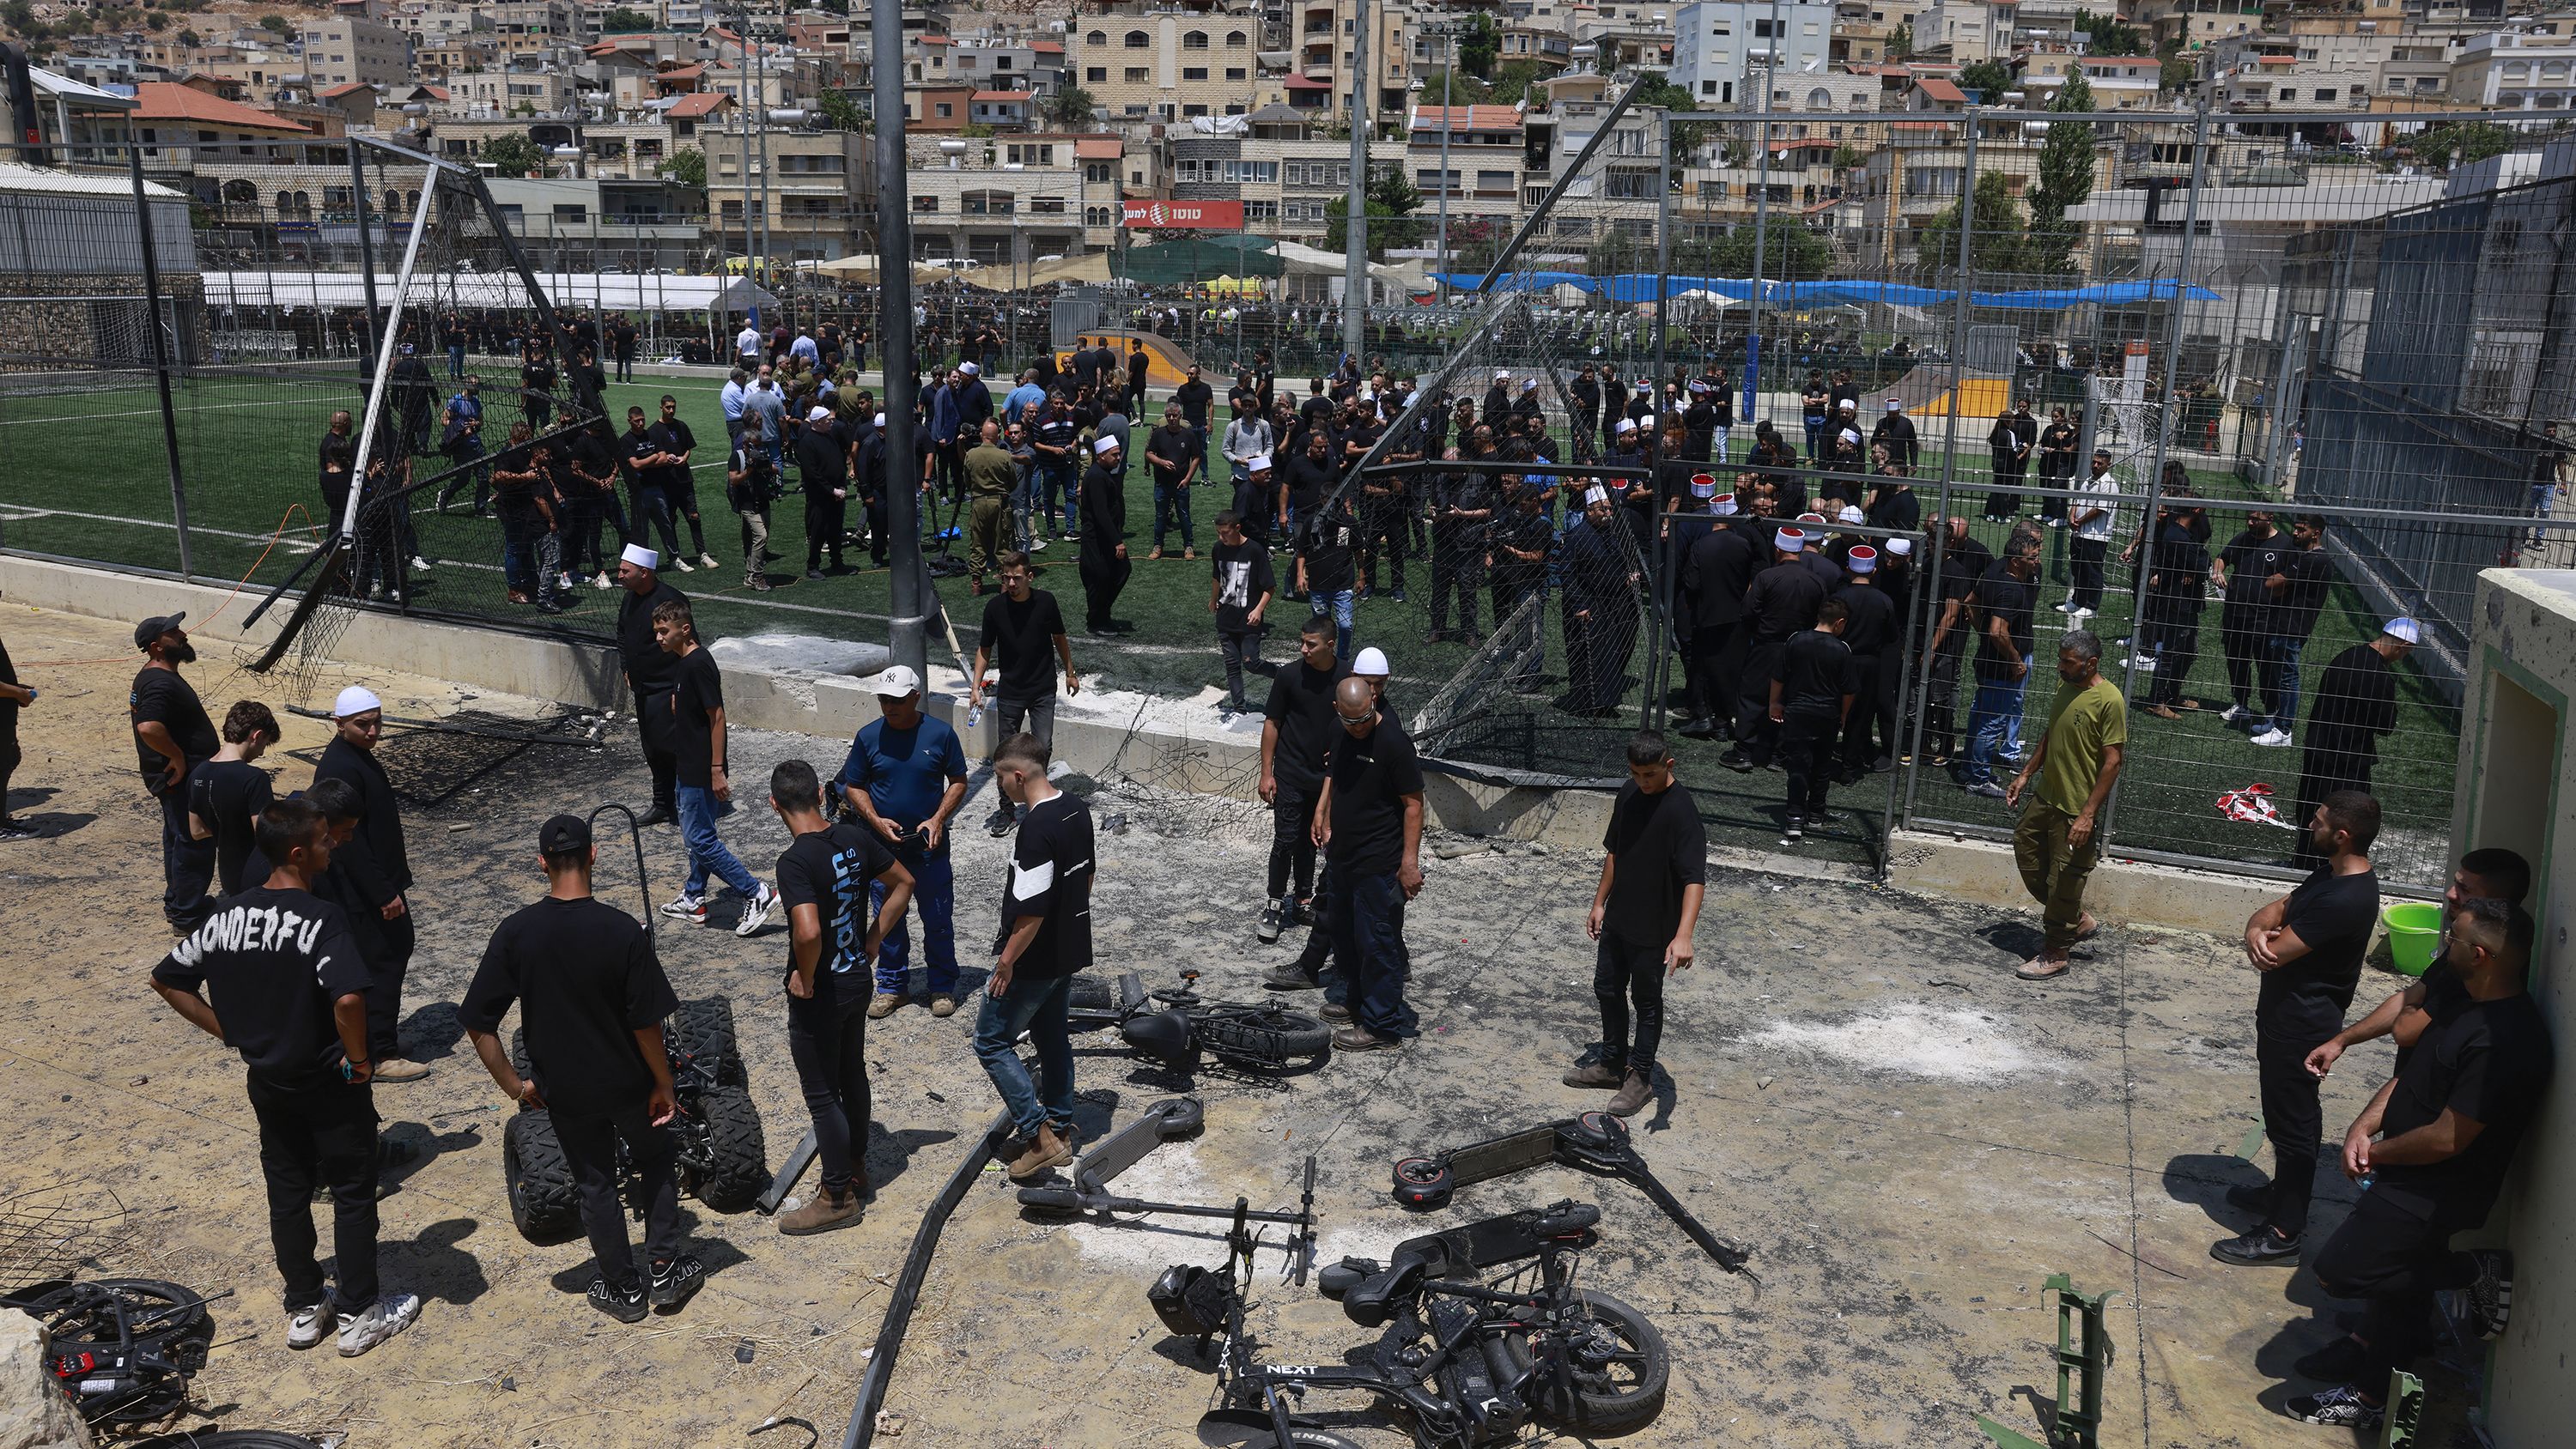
2067	607
419	565
687	908
384	1318
684	564
2233	714
1037	545
304	1326
2081	614
563	583
706	560
603	582
2273	739
2141	663
755	912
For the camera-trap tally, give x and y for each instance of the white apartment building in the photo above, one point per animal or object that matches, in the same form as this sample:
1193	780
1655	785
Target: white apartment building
339	49
1971	30
1722	48
1167	66
2516	71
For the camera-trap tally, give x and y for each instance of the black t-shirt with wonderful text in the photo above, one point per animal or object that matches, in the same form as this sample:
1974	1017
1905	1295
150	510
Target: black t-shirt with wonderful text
1242	577
162	696
2304	1001
229	795
2490	1062
1019	639
829	869
1657	848
1050	878
694	702
1301	705
272	963
586	980
1371	774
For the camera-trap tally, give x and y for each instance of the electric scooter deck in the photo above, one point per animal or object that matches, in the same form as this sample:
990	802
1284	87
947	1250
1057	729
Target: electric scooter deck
1593	1142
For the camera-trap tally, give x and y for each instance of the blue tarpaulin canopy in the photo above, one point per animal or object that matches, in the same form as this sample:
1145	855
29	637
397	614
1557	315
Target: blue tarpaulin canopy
1637	287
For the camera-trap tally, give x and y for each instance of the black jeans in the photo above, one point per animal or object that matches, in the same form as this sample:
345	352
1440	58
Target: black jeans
386	968
590	1150
9	758
1240	651
661	754
1710	666
2395	1262
2084	559
825	519
187	866
2242	644
2292	1119
1808	740
1457	563
1292	843
1369	951
1755	734
1628	971
323	1134
828	1042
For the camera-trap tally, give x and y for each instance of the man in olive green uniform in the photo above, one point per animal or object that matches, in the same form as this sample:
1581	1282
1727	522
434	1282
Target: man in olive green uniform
2056	843
990	476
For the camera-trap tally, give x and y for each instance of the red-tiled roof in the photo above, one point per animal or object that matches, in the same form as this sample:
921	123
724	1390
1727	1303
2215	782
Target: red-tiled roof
1014	97
170	101
352	87
1108	148
698	103
1467	118
937	40
1046	47
1308	83
679	72
1941	90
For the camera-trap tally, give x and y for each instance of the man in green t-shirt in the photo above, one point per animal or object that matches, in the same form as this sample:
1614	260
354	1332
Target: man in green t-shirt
2055	844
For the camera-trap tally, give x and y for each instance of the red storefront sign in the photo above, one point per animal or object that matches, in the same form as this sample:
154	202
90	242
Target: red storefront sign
1185	215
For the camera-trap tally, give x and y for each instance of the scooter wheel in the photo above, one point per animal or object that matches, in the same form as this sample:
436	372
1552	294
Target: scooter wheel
1600	1130
1422	1181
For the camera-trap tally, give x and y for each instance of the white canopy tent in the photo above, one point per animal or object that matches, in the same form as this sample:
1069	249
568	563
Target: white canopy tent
599	291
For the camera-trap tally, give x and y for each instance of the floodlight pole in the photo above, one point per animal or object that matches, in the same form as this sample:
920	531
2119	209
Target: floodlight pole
907	637
1446	72
161	362
366	256
1355	210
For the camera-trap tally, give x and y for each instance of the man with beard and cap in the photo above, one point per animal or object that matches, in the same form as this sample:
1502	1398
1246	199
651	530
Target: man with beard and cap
172	736
1699	423
1780	604
2356	703
378	866
1896	430
1103	562
1498	399
1600	607
1870	633
651	674
1716	571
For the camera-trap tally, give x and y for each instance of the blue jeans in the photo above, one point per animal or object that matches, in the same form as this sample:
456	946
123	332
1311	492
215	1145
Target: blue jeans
698	810
2281	680
1036	1007
1055	479
1338	603
1369	954
1172	511
456	363
934	890
1997	707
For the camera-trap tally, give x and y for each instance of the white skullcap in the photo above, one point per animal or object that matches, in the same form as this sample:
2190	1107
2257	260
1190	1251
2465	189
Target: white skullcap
1372	662
819	414
640	556
1852	436
1862	559
2405	631
1102	445
1789	540
1257	465
1811	518
1698	386
1627	425
1595	494
1900	546
1850	514
970	369
880	420
1502	374
356	699
1893	405
1529	384
1723	505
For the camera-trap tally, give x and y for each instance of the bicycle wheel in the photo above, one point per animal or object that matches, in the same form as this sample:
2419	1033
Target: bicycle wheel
1615	1375
1265	1036
81	1316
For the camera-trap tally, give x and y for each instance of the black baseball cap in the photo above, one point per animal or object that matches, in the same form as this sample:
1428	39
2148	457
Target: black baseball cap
562	833
156	626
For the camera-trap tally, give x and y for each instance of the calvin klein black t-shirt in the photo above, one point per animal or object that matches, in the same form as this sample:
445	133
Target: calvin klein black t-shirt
1658	847
272	963
586	980
1019	637
830	869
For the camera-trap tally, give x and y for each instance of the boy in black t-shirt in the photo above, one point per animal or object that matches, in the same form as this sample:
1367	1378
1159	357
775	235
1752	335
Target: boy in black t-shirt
703	790
824	877
2436	1144
1239	596
591	997
1045	938
1811	700
1022	626
2308	946
1369	823
227	793
1645	913
274	975
1296	727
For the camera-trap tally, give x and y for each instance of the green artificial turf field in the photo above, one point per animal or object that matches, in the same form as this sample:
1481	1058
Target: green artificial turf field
83	475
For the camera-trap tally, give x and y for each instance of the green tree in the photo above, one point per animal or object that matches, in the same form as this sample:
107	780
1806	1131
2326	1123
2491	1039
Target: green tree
2460	143
687	166
1461	88
2179	72
1790	253
1512	83
275	24
155	20
2109	35
1605	56
1996	245
1988	78
2065	179
1900	41
839	111
1848	157
1070	106
1392	203
514	153
624	21
1688	138
1478	45
190	39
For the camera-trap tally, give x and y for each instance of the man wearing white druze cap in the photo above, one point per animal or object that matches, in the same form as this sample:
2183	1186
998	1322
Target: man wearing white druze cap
650	673
378	868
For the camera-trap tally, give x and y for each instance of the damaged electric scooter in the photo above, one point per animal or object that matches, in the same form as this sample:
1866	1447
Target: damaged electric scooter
1167	1121
1594	1142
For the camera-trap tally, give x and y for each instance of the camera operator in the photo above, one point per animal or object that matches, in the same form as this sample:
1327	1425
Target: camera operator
904	781
591	997
751	485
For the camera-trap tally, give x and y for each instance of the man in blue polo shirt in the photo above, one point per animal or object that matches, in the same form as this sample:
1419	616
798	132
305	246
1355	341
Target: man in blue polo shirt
904	779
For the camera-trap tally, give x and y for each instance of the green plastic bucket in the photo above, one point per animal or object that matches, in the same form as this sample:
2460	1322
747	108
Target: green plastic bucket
2414	928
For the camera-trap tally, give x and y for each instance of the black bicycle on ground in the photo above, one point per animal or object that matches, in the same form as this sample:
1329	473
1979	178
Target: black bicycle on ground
1174	1027
1466	1361
121	1349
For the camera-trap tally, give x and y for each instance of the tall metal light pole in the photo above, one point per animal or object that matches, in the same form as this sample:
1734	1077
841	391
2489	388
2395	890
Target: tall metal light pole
907	636
1355	231
742	89
1446	71
1761	227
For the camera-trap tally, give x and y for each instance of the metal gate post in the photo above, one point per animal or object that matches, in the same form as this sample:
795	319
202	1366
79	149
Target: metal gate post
161	362
1962	285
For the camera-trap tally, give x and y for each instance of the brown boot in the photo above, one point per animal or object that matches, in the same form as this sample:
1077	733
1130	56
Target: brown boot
821	1213
1633	1095
1595	1074
1045	1150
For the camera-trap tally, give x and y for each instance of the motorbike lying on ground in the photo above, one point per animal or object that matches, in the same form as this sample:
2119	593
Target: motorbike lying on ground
121	1349
1174	1027
1467	1362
